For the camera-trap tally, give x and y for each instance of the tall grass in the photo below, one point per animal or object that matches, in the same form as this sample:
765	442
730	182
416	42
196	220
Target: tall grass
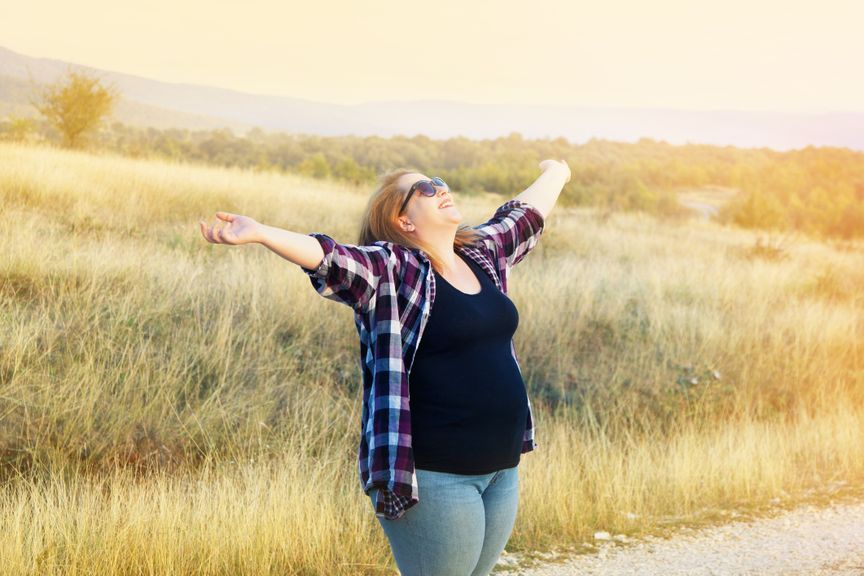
171	406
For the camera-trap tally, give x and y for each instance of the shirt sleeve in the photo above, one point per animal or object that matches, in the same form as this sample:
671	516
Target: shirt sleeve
390	505
348	273
513	231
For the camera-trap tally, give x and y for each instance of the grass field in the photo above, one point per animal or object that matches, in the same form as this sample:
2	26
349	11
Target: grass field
168	406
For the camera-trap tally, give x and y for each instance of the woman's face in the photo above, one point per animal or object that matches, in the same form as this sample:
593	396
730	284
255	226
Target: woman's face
425	212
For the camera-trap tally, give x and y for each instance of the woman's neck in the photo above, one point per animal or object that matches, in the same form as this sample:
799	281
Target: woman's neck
444	253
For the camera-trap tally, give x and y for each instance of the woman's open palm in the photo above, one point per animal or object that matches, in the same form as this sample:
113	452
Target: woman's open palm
237	230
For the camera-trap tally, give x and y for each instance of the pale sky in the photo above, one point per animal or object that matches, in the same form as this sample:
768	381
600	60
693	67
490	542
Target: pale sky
782	55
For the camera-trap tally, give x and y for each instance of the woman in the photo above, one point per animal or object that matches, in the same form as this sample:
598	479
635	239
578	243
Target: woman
436	327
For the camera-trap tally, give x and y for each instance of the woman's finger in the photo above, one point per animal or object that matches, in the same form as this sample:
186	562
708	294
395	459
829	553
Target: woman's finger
206	231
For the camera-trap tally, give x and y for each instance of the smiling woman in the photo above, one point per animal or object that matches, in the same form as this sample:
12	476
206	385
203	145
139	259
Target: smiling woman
412	210
445	414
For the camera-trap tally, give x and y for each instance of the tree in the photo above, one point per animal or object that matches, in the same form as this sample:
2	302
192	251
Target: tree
18	129
76	106
316	166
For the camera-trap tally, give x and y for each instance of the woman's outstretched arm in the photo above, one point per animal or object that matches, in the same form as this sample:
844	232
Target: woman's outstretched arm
341	272
300	249
515	228
544	192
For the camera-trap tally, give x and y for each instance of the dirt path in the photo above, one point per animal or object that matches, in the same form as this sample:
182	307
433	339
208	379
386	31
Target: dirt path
808	540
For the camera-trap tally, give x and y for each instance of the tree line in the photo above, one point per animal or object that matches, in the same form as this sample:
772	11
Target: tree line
815	190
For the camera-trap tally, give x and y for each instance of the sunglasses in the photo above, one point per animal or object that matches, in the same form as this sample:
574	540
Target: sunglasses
426	187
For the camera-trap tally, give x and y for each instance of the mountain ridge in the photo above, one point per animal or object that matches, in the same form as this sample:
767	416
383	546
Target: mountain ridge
171	105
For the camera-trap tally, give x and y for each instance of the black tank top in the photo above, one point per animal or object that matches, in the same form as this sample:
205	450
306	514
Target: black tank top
469	407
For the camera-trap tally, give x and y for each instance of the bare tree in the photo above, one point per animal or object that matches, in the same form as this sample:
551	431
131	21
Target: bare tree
76	105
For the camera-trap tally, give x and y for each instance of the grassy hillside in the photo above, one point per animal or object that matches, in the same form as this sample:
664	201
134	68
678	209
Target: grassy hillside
172	406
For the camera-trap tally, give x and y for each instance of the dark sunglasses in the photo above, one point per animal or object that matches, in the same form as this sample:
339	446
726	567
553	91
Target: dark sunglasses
426	187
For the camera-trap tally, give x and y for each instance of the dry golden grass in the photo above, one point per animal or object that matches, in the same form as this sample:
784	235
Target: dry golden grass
168	406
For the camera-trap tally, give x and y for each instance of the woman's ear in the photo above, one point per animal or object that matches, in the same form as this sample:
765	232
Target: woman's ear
406	224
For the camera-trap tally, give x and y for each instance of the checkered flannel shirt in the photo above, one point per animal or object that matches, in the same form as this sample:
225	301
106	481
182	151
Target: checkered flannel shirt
391	290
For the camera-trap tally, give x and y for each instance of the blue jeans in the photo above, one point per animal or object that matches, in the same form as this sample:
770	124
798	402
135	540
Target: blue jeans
460	525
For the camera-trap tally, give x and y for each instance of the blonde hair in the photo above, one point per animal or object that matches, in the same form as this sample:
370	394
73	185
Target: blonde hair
381	218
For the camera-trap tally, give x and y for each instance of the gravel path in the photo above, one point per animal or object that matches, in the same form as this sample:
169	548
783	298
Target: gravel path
808	540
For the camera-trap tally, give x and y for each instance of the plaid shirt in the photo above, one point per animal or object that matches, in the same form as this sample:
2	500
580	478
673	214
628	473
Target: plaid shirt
391	291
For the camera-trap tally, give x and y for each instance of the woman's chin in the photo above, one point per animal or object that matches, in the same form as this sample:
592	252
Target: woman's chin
452	214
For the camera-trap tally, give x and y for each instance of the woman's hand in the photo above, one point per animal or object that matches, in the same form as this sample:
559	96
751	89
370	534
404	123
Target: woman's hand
556	165
238	230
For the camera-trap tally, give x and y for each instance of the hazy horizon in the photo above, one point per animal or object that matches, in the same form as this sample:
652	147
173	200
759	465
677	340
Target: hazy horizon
673	54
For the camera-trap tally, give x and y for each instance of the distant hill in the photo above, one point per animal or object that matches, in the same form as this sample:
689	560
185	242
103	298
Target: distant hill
15	93
165	104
